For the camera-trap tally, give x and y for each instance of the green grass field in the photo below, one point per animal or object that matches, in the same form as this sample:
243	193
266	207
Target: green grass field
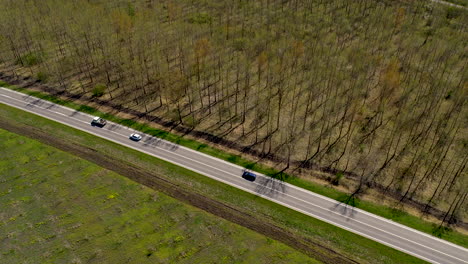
57	208
101	195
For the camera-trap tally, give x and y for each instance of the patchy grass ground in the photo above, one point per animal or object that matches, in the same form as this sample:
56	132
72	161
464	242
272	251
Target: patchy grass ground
58	208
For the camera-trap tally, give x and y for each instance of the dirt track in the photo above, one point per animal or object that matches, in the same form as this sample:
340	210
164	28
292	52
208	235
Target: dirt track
183	194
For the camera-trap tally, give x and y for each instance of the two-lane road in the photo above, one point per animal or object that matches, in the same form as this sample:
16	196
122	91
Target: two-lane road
352	219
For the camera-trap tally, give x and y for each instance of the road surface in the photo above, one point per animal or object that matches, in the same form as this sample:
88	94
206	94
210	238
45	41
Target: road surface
387	232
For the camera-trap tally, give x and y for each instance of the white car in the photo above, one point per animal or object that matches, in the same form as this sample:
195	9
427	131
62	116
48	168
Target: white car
135	137
97	121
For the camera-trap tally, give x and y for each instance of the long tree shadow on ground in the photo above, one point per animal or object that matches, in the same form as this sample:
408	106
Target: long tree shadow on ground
346	206
157	142
270	186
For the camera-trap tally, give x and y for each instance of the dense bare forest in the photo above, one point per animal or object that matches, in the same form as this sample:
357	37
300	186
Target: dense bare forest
374	90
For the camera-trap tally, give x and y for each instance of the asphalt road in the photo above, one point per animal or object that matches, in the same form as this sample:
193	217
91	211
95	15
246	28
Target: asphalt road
352	219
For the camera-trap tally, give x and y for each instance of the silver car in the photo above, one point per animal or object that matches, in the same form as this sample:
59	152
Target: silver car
135	137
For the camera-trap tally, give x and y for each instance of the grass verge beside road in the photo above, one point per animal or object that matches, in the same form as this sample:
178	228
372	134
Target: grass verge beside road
319	239
396	215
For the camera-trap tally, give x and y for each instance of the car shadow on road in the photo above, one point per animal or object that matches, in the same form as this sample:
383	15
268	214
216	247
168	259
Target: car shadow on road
112	127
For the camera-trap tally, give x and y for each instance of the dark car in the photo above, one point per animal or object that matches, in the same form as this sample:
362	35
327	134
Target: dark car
97	121
249	175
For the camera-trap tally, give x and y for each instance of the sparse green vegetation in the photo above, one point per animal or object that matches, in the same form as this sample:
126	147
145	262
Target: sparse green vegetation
99	90
42	77
458	2
200	18
454	12
31	58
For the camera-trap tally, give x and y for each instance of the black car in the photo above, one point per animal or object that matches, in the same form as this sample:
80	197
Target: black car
249	175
